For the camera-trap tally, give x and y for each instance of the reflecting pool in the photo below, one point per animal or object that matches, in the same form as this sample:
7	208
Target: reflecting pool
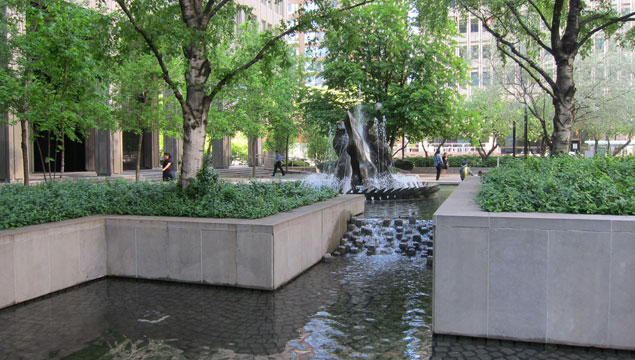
376	307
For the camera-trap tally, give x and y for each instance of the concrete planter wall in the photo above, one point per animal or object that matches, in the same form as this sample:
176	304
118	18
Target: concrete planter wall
263	253
551	278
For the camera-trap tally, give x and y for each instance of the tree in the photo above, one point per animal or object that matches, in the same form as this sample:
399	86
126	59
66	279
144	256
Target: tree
138	103
405	62
54	82
524	29
606	102
495	113
214	54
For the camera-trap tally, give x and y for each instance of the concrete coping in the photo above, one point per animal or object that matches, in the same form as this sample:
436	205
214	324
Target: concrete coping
461	203
272	220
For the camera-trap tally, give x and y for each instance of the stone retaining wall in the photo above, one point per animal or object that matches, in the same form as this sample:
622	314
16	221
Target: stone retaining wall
262	253
550	278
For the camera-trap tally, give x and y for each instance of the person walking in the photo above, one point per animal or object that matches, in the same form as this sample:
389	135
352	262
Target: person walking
278	164
445	163
465	171
438	163
168	167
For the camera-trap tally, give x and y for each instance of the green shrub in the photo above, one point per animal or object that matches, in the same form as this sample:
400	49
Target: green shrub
601	185
296	163
206	197
455	161
403	164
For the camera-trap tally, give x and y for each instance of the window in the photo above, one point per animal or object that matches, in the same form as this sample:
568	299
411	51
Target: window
474	25
263	25
486	78
463	26
486	54
463	52
599	44
626	11
292	8
270	4
474	52
474	76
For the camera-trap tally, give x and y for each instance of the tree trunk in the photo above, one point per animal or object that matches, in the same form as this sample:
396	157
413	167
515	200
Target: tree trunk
254	141
286	156
564	106
25	151
621	147
595	146
403	147
39	149
62	163
608	146
196	111
139	149
193	145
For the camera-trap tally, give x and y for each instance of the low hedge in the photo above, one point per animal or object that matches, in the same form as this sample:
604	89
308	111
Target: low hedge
298	163
205	197
455	161
601	185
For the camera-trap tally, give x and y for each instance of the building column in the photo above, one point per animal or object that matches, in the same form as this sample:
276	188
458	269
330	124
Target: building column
11	169
254	146
222	153
90	146
109	153
151	149
174	147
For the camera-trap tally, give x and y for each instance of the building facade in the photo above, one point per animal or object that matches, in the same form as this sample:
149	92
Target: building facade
111	152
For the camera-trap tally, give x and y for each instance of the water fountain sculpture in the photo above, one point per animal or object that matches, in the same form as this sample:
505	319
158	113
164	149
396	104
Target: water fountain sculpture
365	159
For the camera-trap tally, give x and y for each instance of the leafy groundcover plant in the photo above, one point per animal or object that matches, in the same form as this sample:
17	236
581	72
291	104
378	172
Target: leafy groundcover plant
205	197
601	185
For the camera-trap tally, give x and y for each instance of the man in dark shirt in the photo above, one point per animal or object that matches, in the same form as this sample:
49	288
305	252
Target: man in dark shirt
168	167
278	164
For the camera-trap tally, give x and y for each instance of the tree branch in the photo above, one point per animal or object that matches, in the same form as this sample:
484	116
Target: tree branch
501	40
527	30
522	65
157	54
625	18
542	16
211	10
260	54
555	25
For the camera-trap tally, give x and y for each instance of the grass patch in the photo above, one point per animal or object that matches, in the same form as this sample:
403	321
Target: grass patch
206	197
601	185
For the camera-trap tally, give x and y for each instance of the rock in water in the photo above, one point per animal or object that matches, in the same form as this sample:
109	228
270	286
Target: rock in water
327	258
386	223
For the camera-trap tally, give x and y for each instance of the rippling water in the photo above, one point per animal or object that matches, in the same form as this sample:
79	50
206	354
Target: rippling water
375	307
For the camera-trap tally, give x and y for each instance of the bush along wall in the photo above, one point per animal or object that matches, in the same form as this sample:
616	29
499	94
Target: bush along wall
205	197
601	185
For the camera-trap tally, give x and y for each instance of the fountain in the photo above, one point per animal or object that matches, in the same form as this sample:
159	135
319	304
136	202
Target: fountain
364	160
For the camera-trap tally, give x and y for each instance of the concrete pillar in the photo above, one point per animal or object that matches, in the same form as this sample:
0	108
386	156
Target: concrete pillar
11	169
173	146
222	153
109	153
254	145
89	143
151	150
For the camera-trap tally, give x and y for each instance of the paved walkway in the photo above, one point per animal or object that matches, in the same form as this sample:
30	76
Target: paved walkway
233	174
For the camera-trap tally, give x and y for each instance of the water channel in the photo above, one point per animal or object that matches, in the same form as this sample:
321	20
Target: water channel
359	306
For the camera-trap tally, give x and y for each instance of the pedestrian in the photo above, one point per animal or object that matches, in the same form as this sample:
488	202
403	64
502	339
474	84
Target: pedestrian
438	163
168	167
465	170
278	164
445	162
